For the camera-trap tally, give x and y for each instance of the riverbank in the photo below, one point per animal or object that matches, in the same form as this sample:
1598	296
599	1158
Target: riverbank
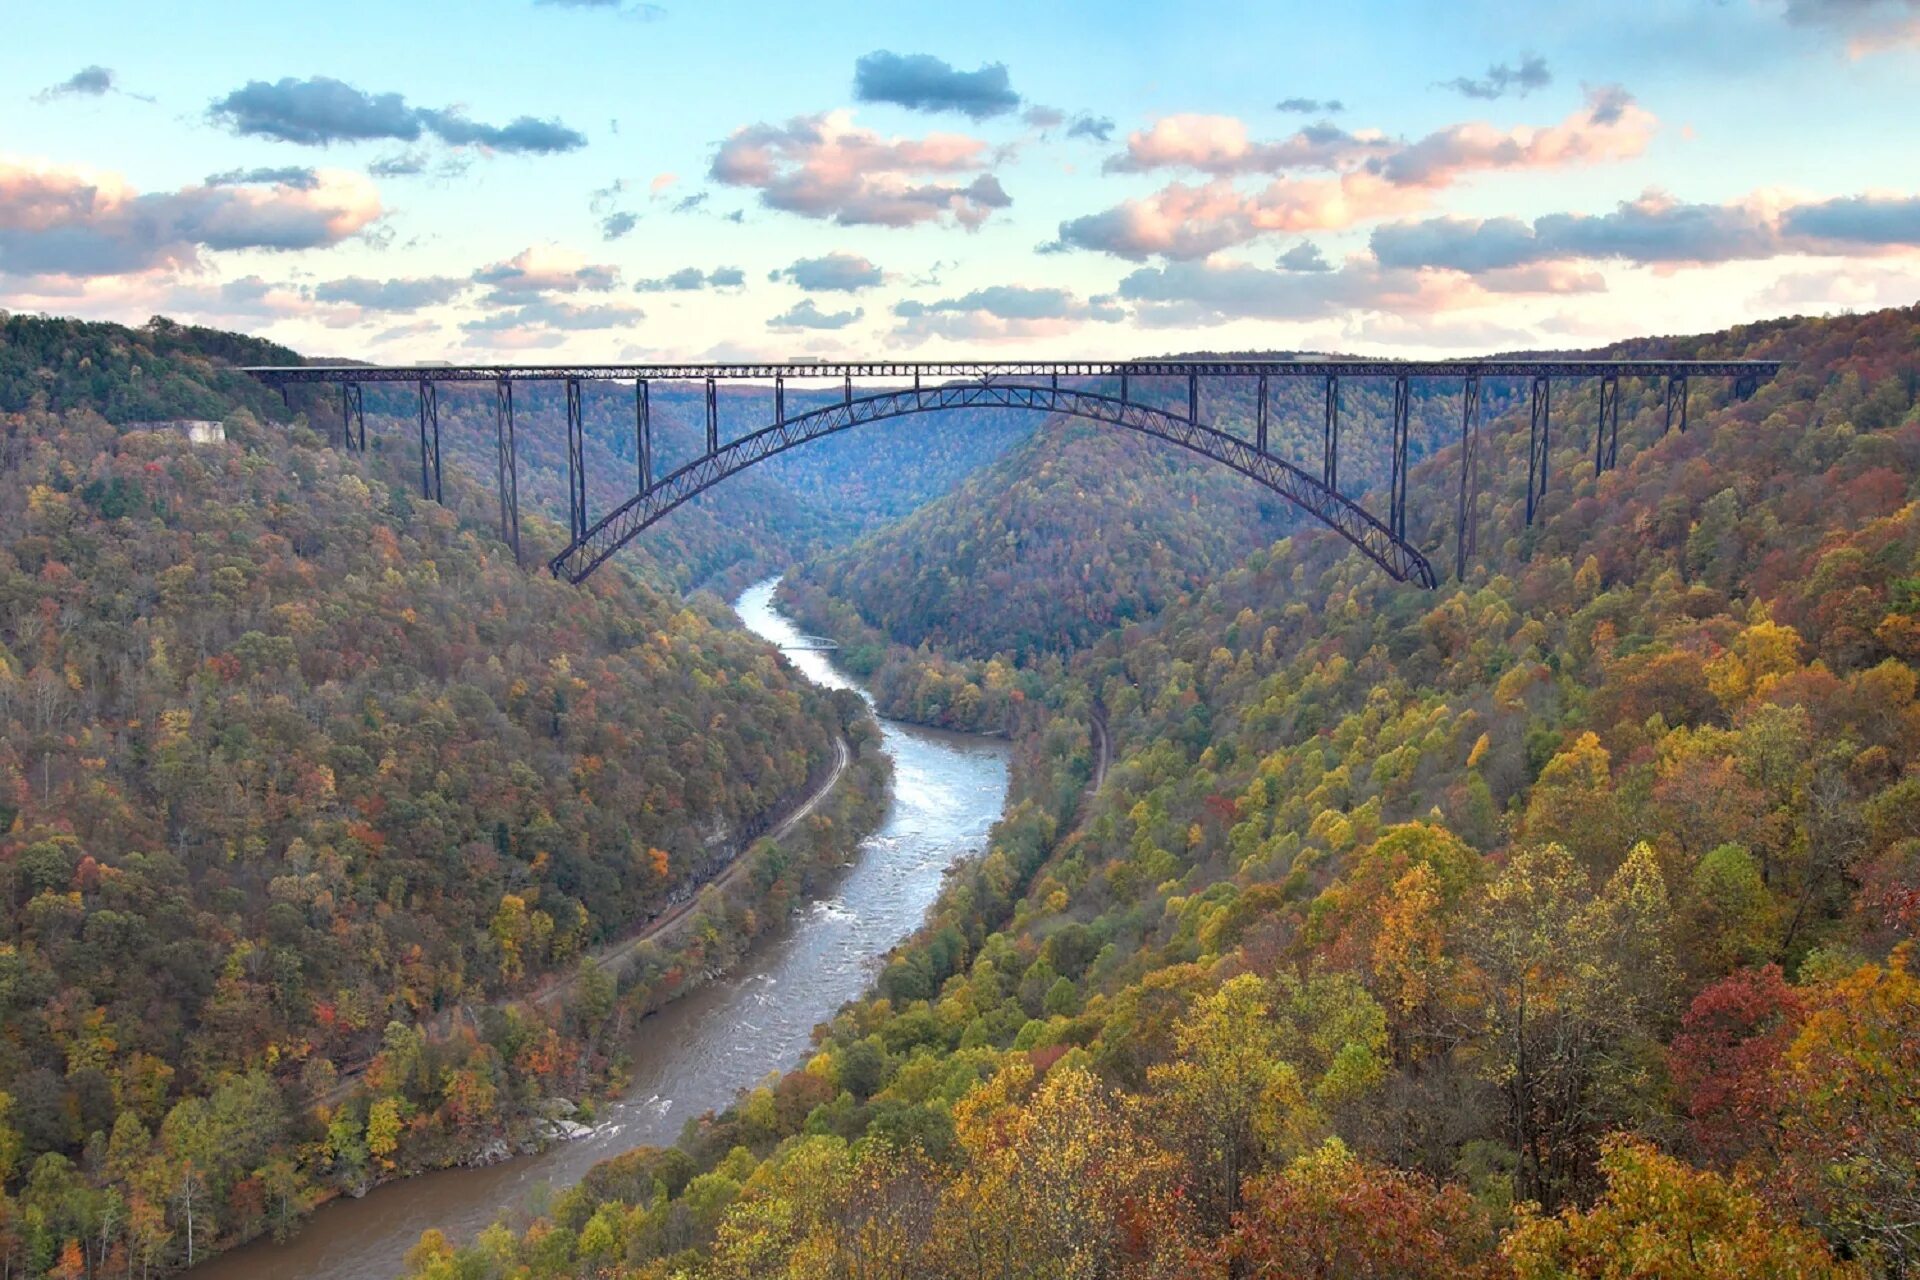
968	695
720	1034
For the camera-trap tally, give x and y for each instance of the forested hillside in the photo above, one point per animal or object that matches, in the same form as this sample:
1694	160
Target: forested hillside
292	766
756	523
1084	528
1558	923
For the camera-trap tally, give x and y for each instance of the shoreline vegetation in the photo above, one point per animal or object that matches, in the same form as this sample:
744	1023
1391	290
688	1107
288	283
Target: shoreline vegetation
301	775
1558	922
597	1008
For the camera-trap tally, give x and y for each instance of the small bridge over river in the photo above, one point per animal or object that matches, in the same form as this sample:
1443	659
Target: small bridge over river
1102	391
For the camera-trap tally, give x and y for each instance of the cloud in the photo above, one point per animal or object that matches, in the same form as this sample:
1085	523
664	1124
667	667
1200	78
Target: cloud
922	82
1043	117
1371	177
661	181
536	272
296	176
248	298
316	112
524	135
688	204
404	165
411	329
688	279
626	9
1099	128
68	222
1196	293
615	225
824	166
1531	73
833	273
1305	256
1657	231
1857	221
1870	26
389	295
88	82
1181	221
1001	312
546	323
321	111
1423	331
1610	126
1219	145
1311	106
1867	289
805	315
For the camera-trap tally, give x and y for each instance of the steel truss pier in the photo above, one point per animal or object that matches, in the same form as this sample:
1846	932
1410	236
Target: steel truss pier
1103	391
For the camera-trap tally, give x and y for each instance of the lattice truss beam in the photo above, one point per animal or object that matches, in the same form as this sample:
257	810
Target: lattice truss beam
1014	384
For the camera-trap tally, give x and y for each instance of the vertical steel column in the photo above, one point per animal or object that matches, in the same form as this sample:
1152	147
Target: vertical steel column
848	397
429	440
1260	418
1402	406
1469	473
1193	398
1676	397
346	420
359	413
1123	386
780	396
1606	431
713	421
576	464
643	428
1330	438
509	466
426	463
1538	442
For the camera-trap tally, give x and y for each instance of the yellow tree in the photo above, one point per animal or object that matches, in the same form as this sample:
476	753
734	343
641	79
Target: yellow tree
1661	1218
1850	1122
1228	1099
1573	804
1058	1186
1572	989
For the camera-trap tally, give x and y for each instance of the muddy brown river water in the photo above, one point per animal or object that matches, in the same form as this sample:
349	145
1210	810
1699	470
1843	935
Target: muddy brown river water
695	1054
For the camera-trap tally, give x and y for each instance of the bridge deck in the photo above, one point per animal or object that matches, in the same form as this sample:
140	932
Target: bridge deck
1030	385
280	375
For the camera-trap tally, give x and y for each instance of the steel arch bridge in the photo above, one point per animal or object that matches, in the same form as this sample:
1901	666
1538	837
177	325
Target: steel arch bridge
1029	385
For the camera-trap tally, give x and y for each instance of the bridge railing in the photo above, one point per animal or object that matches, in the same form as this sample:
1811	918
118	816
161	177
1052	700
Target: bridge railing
1384	538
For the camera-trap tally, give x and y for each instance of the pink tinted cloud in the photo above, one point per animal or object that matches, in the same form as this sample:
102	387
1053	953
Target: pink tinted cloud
1220	145
1609	126
824	166
540	270
70	222
1184	222
1371	179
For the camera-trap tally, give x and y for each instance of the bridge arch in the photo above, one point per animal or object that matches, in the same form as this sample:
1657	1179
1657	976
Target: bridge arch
1337	512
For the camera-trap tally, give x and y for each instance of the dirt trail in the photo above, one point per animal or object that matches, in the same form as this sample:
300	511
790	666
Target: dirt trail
615	954
1103	757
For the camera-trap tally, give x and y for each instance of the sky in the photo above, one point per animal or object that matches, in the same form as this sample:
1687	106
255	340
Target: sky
583	180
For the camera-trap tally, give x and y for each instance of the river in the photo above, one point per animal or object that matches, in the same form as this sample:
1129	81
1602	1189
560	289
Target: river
695	1054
